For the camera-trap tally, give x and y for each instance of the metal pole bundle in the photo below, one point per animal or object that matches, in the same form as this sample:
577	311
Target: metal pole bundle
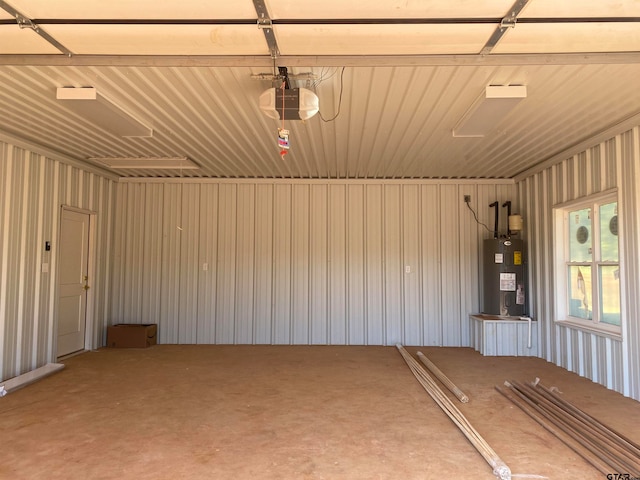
605	449
443	378
500	469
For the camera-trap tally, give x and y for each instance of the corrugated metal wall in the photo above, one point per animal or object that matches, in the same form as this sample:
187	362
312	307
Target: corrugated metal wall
614	163
301	262
32	190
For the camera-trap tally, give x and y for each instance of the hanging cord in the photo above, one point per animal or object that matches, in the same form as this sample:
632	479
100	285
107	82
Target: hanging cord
476	218
283	150
339	100
179	225
282	88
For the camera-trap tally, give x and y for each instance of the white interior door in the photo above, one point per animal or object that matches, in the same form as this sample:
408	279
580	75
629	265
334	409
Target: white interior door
73	281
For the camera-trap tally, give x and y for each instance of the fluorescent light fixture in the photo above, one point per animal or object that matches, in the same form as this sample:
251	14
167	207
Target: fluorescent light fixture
88	103
489	110
168	163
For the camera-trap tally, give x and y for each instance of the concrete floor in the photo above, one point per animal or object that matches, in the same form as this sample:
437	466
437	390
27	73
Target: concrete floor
280	412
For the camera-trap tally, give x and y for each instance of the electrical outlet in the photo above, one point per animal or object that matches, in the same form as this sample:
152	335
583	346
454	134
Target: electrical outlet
467	198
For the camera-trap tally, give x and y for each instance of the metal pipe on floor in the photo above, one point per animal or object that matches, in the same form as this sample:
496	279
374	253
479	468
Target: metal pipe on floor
628	443
562	436
601	446
443	378
500	469
587	430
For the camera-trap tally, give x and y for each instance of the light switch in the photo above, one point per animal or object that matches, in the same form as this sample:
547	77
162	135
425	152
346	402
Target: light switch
205	267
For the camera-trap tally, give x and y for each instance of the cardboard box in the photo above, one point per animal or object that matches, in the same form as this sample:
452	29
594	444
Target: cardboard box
132	335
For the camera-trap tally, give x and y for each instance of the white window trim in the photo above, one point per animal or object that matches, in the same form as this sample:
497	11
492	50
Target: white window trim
561	253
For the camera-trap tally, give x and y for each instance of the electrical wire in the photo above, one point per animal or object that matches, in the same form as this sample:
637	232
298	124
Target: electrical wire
476	218
339	99
325	74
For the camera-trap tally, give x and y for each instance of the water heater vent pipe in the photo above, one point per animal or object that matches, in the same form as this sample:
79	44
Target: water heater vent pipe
495	229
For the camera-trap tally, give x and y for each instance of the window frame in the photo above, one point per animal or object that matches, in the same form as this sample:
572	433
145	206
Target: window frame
561	255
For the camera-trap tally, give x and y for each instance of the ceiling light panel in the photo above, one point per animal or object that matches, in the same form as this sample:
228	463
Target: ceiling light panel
382	39
583	9
489	110
334	9
14	40
89	104
139	9
571	38
169	163
161	39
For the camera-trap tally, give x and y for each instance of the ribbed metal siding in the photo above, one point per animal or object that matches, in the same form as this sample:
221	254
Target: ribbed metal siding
33	189
628	152
295	262
613	163
395	122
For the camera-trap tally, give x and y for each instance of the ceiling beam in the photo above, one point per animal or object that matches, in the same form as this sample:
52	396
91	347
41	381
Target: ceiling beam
321	21
620	58
24	22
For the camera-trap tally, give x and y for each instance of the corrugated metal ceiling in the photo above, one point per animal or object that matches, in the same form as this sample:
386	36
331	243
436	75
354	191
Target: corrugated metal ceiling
398	75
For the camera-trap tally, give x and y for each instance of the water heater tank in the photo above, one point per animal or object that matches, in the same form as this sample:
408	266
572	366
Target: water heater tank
504	287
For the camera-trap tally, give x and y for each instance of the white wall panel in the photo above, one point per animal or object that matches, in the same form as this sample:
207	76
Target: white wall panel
208	260
151	255
245	260
134	227
300	267
337	226
318	255
281	313
469	266
373	245
431	266
189	234
356	268
170	274
411	253
450	258
627	151
263	278
393	269
226	264
613	362
33	188
303	262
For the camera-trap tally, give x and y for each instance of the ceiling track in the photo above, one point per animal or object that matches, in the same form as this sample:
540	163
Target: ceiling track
506	23
266	25
319	21
25	22
618	58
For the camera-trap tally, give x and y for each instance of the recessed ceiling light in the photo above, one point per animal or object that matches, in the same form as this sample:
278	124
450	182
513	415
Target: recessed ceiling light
489	110
89	104
171	163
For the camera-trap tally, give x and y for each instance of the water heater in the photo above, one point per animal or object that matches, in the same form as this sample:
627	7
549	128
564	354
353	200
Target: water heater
504	277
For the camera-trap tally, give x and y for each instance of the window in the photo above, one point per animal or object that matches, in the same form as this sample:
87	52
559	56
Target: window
587	263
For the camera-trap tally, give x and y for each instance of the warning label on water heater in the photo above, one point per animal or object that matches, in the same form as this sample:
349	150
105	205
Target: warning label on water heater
508	282
517	258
